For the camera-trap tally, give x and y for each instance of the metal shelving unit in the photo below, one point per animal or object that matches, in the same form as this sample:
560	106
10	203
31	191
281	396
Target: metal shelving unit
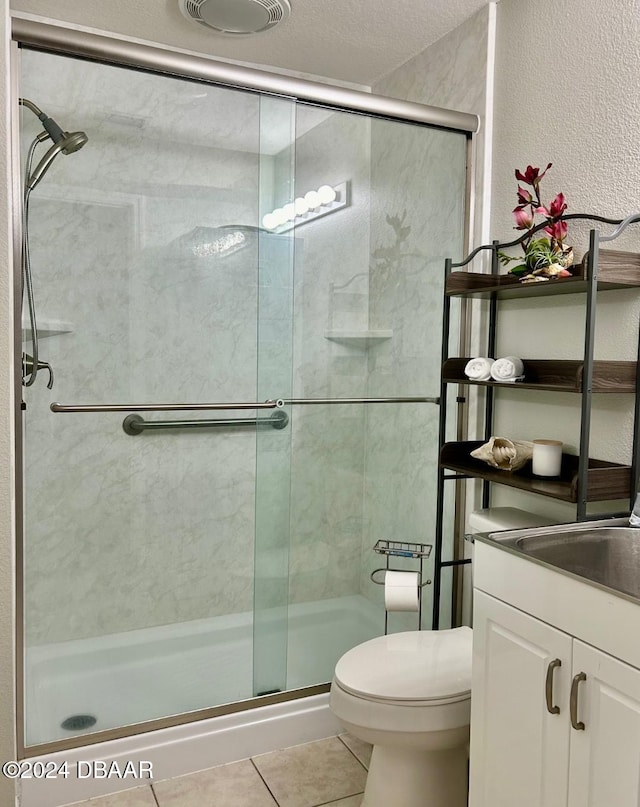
582	479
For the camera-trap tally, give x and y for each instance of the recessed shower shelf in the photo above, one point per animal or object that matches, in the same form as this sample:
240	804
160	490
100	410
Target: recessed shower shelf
46	327
360	339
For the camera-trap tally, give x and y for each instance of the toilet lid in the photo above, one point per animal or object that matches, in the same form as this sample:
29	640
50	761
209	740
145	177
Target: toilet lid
410	666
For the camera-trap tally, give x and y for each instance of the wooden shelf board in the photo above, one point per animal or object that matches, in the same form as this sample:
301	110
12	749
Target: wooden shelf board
606	480
555	375
616	270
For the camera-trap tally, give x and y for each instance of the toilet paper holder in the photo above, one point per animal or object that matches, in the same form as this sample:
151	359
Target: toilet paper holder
402	549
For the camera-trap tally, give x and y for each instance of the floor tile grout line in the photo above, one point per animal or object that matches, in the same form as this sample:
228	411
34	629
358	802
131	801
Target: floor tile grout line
334	801
155	797
320	804
264	780
353	754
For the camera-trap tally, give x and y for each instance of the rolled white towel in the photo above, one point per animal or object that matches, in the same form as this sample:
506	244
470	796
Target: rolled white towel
478	369
509	369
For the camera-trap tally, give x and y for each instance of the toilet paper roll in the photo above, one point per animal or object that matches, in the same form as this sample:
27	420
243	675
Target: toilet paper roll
402	591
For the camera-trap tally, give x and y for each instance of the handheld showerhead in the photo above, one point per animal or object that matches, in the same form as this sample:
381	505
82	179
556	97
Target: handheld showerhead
51	127
72	141
65	142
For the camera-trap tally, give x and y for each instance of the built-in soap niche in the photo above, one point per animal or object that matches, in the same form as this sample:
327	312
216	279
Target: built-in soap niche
349	315
359	339
46	327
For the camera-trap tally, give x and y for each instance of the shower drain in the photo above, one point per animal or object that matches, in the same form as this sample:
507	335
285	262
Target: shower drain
78	722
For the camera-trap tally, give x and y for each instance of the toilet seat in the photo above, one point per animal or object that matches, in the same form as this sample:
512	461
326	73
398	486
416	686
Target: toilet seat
414	668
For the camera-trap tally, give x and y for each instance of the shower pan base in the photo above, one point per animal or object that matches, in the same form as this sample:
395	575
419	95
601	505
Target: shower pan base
131	677
182	749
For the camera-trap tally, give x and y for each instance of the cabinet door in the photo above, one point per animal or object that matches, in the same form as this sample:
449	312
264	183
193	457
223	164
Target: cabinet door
519	750
605	756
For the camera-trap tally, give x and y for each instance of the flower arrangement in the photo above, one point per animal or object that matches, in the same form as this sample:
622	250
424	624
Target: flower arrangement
545	257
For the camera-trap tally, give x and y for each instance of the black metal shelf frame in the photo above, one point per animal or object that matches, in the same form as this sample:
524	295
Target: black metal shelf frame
595	239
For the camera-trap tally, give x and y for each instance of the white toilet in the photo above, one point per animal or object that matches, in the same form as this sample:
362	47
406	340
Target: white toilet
409	695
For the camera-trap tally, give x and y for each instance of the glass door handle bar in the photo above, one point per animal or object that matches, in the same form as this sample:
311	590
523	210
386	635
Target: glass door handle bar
134	424
277	403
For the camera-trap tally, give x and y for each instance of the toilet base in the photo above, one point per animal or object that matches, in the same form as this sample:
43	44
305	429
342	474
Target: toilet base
407	777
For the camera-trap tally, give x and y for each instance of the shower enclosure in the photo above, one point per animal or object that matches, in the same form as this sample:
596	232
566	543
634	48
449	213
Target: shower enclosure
239	411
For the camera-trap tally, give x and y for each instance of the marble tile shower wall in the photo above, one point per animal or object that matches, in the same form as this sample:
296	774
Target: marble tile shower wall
418	216
328	441
406	288
131	532
128	532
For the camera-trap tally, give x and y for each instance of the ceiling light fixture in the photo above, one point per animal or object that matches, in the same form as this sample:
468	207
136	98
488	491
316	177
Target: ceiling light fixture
236	17
314	204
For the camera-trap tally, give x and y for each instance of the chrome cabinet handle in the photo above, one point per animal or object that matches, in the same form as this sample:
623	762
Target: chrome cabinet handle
548	687
578	725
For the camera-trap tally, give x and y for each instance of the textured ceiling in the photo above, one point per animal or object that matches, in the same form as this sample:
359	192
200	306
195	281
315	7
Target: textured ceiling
355	41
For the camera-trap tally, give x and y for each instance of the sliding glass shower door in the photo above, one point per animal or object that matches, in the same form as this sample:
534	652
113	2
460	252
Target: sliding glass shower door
239	298
153	284
366	360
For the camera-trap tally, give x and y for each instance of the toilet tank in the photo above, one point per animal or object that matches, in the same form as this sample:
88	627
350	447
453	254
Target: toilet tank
492	519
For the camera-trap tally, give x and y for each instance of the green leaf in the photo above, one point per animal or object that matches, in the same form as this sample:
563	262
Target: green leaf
518	271
504	259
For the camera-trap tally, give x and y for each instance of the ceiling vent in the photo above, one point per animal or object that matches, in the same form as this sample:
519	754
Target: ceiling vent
236	17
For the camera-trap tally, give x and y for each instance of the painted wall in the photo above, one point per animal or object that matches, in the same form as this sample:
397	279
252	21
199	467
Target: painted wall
566	93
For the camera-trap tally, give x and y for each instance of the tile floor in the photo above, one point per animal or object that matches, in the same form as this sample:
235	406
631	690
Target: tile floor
329	772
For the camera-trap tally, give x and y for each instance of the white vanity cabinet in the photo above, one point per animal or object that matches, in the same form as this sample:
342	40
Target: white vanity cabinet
519	751
535	684
604	760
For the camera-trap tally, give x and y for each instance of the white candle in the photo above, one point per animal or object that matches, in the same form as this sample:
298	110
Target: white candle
547	457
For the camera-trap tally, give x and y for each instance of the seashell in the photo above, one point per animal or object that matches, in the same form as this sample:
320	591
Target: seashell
567	257
553	270
504	454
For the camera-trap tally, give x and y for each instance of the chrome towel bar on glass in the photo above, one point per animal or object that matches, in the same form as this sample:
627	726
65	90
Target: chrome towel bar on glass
272	404
134	424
